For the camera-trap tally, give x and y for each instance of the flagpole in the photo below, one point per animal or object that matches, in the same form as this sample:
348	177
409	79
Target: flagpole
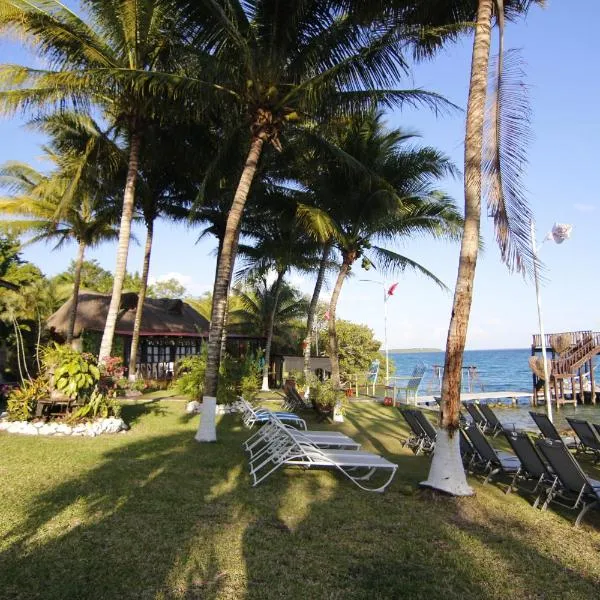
385	344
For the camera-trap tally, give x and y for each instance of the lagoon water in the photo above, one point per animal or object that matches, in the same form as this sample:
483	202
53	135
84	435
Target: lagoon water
497	370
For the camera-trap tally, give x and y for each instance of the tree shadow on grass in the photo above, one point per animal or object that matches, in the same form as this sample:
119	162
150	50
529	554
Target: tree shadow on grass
164	517
319	537
117	530
131	413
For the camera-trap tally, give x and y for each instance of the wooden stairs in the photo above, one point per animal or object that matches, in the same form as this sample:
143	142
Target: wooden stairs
569	362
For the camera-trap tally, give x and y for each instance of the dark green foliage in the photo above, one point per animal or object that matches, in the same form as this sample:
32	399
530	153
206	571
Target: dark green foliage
190	376
323	393
236	376
98	405
357	347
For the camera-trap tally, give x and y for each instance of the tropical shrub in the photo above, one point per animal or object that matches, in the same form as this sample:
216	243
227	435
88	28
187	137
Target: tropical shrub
112	382
190	375
23	401
250	381
77	376
238	376
325	394
97	405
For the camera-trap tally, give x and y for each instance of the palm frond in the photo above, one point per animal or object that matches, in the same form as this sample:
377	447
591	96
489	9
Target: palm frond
389	261
508	135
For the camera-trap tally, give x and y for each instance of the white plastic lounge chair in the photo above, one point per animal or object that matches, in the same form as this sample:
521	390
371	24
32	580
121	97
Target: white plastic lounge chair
251	416
270	432
274	440
287	450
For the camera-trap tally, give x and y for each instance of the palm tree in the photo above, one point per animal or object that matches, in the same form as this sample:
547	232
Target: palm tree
256	305
501	165
288	67
107	61
324	264
278	244
395	200
37	203
166	189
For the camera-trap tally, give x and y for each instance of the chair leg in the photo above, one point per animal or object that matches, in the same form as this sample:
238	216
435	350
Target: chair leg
584	510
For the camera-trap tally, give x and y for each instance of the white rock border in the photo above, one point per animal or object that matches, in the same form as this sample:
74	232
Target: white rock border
195	408
56	428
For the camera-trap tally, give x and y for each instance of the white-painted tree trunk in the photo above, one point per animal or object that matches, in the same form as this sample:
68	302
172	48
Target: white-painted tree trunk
338	415
447	473
265	383
207	429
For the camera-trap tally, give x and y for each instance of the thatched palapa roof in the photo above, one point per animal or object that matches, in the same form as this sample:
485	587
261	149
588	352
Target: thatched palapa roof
161	316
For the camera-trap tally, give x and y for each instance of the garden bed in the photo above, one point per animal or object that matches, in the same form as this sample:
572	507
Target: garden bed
60	427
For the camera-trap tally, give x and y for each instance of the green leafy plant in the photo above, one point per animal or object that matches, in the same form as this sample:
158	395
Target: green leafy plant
251	377
77	377
73	373
326	395
97	405
190	375
23	401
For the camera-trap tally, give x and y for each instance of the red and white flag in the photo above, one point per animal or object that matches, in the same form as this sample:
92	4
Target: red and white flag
392	289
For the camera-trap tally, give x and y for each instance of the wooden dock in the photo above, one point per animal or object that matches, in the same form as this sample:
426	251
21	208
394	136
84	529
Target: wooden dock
513	396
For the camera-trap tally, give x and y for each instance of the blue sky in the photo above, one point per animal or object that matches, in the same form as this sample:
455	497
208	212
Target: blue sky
561	55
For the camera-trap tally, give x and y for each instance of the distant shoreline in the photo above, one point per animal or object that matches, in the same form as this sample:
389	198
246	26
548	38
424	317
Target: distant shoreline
419	350
413	350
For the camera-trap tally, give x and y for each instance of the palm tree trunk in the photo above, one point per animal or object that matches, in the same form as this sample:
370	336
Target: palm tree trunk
76	285
123	247
270	326
312	309
333	343
447	473
137	324
207	430
17	341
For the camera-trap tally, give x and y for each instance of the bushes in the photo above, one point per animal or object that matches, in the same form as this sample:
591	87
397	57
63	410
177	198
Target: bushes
23	401
235	377
324	394
190	375
75	375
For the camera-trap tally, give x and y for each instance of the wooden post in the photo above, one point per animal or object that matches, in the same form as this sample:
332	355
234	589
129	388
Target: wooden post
581	386
592	382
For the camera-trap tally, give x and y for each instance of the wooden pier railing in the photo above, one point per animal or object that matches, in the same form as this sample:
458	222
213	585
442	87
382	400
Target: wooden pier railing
575	336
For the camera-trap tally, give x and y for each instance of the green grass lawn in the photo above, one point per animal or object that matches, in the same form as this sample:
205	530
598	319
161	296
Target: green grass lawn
153	514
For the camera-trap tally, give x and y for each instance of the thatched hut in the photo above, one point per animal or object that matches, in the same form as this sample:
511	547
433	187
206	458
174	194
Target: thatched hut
171	329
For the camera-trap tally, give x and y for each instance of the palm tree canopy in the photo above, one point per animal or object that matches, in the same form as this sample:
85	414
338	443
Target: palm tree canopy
256	300
397	199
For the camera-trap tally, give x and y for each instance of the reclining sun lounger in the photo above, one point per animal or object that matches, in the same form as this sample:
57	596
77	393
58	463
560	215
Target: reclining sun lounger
550	432
422	438
589	441
493	423
478	419
490	460
533	466
573	488
269	433
251	415
293	400
467	452
288	450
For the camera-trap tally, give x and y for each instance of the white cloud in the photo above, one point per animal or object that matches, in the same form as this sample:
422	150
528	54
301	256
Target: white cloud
584	208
